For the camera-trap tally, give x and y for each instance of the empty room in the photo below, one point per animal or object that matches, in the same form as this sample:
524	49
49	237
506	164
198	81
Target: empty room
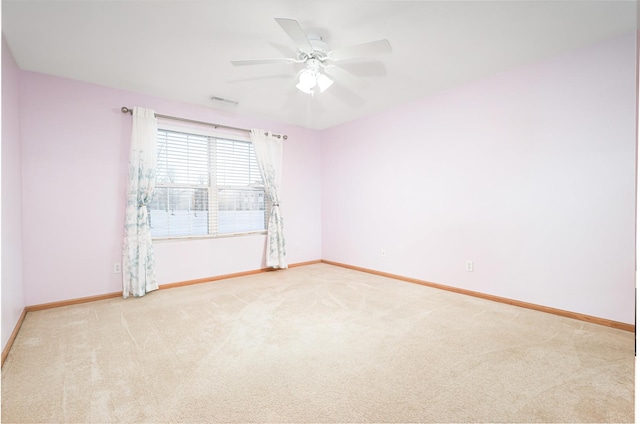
301	211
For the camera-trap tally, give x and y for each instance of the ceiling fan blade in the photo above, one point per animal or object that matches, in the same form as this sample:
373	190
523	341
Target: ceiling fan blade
345	78
372	48
261	61
295	32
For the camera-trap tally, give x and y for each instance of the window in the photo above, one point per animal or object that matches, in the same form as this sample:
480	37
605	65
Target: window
206	186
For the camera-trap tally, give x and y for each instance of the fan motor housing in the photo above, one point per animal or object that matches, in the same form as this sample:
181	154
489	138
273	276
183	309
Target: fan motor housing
320	48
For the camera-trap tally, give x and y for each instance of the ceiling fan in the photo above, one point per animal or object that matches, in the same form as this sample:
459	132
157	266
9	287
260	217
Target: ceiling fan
319	71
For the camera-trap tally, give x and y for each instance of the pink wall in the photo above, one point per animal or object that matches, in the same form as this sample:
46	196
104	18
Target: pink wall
75	145
12	282
529	173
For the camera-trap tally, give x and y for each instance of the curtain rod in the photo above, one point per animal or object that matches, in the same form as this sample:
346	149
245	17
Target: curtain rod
125	109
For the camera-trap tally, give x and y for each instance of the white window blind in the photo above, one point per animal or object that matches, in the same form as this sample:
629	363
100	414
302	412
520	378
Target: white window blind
206	186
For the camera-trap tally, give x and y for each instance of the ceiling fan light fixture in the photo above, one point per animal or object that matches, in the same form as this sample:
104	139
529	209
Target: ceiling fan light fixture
312	78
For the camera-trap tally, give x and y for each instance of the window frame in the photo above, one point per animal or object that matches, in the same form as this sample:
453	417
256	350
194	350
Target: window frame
213	186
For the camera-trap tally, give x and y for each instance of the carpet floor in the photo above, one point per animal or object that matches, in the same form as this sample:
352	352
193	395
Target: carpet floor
316	343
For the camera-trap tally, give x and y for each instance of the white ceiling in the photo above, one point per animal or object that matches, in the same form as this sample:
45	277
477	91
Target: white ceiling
181	49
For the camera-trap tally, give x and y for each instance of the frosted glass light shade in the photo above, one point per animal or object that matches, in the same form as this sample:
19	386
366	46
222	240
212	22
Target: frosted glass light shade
324	82
307	81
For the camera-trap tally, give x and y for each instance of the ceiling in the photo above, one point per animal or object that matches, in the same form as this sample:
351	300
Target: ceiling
182	49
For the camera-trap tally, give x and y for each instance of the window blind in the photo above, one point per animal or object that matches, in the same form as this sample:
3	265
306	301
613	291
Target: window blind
206	186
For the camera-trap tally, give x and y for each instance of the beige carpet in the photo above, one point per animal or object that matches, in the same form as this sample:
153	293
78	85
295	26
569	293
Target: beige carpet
314	344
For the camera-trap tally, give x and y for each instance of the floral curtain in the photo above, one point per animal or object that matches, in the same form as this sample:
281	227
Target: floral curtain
138	270
268	150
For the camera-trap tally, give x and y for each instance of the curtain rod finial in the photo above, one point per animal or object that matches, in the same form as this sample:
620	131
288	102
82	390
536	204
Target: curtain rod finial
125	109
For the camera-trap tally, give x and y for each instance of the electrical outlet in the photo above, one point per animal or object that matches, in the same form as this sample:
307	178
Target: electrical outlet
117	268
383	252
469	266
